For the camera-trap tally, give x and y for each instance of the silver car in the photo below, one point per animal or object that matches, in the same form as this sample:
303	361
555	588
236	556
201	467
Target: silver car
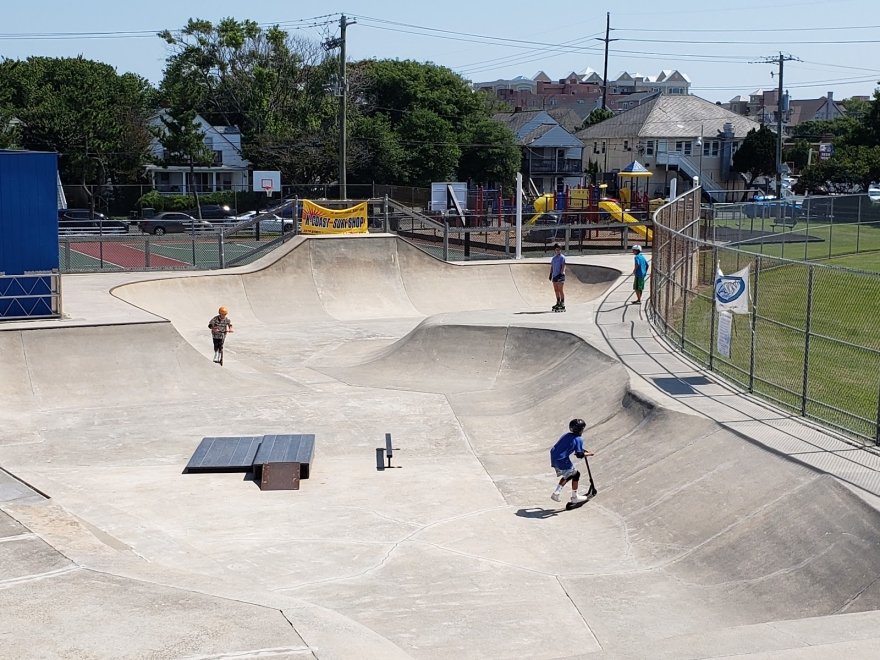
174	222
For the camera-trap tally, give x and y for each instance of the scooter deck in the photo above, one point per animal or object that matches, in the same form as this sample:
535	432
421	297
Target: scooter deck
571	505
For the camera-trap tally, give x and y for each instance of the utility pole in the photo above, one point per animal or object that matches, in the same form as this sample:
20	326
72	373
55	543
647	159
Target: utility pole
342	92
780	60
605	73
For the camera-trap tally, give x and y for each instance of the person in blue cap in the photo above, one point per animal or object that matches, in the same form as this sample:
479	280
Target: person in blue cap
640	273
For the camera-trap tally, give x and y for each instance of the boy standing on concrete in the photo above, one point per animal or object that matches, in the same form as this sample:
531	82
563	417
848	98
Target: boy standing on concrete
640	273
219	326
560	459
557	276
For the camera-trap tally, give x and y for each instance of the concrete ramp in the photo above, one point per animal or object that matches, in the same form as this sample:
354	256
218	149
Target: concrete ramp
357	278
719	531
99	366
697	539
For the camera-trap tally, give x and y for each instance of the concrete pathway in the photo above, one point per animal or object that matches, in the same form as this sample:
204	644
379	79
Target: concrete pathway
673	380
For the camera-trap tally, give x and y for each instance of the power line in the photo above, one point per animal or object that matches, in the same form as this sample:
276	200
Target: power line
728	30
740	42
476	67
297	24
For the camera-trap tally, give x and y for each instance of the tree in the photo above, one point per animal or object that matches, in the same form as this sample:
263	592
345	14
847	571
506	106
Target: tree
797	153
96	119
596	116
491	154
856	158
184	141
756	156
421	122
851	165
269	84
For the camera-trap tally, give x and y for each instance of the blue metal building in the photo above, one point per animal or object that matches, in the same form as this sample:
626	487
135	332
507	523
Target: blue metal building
28	235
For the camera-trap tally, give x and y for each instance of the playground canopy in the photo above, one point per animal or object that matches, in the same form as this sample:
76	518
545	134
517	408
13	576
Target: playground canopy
630	195
634	169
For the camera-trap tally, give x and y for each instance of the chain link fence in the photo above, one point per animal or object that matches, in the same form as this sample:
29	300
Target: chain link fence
841	228
449	237
810	344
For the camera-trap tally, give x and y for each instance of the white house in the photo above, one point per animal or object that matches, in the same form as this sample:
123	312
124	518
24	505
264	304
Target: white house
229	171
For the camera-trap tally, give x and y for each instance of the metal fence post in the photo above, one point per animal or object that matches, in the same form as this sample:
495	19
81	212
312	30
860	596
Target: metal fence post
67	255
877	426
712	313
385	226
807	331
859	224
669	285
754	324
147	252
807	242
684	299
221	254
446	240
830	228
831	236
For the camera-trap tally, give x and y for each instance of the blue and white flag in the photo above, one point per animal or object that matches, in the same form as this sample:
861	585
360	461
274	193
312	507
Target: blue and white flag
732	291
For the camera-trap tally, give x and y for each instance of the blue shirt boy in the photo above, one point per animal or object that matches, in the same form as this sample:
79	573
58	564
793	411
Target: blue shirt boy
568	444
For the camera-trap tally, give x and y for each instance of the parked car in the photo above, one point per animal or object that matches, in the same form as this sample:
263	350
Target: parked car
272	223
84	221
768	206
174	222
874	193
213	212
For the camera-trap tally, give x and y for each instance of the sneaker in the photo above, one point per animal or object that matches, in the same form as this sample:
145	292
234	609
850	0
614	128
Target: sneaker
636	302
577	499
555	496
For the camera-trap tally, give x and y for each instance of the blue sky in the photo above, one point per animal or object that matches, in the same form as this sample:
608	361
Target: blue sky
486	40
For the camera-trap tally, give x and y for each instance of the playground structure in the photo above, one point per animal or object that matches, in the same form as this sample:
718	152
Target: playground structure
574	205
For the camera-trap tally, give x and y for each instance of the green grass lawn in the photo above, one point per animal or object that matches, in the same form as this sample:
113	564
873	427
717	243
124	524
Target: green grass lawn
835	240
843	365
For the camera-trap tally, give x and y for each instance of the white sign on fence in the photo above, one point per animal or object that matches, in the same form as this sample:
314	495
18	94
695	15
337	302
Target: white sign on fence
732	291
725	333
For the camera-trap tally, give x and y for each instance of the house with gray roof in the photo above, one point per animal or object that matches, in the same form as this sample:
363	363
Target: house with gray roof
675	137
551	156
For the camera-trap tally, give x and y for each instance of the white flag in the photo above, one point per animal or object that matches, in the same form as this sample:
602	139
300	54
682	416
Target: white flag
732	291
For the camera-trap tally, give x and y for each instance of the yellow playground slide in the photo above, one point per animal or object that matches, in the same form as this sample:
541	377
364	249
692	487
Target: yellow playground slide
614	210
544	203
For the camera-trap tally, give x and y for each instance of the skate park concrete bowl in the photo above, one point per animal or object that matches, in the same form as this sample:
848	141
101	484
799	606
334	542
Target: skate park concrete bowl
699	544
